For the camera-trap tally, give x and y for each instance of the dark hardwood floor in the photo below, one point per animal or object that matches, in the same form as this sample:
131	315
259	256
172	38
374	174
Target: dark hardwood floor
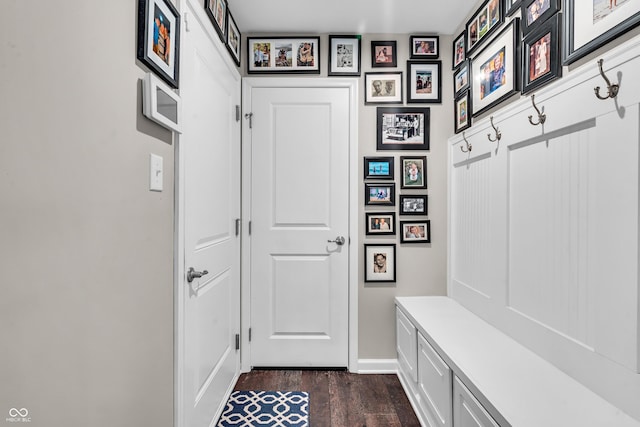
339	398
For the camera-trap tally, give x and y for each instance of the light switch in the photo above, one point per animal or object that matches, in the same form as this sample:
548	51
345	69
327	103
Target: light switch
155	173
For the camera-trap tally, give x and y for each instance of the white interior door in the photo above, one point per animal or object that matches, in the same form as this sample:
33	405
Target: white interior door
300	139
208	306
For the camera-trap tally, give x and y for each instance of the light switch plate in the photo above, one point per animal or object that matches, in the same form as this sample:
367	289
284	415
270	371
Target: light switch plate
155	173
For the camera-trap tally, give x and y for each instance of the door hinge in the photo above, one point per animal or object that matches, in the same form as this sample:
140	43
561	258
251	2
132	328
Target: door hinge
249	334
237	113
250	117
237	226
237	341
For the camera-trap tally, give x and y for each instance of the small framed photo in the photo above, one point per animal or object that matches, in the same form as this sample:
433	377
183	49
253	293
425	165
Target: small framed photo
424	82
541	50
233	38
425	47
462	112
403	128
459	51
380	194
217	11
511	6
381	223
536	12
383	54
484	22
415	231
344	55
283	55
414	172
159	38
383	88
495	70
378	168
413	204
380	262
461	78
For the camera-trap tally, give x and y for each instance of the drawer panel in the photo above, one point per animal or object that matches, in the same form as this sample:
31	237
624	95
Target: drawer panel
467	411
406	345
434	384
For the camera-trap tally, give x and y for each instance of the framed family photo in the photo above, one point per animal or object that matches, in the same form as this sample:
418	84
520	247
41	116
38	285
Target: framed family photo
589	25
344	55
233	38
424	82
496	70
384	53
158	44
381	223
511	7
413	204
378	168
380	194
459	51
415	231
425	47
461	78
383	88
462	112
283	55
380	262
414	172
541	54
403	128
217	11
535	12
484	22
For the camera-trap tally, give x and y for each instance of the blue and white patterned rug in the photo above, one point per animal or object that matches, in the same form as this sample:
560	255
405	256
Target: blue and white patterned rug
266	408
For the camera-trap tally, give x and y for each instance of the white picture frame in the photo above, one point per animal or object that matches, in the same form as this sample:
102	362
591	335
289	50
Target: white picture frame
161	104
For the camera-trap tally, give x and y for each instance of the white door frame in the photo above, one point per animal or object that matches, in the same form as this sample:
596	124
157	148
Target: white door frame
245	283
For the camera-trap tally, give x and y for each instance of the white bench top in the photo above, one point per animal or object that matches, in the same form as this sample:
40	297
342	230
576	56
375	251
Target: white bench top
523	387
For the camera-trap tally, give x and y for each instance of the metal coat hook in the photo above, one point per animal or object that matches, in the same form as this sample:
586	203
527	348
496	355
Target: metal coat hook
541	116
612	89
498	134
469	147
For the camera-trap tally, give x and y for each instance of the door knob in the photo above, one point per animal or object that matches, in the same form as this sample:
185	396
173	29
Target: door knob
338	241
193	274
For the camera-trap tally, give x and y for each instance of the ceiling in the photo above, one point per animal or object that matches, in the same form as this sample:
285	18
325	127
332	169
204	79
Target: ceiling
350	16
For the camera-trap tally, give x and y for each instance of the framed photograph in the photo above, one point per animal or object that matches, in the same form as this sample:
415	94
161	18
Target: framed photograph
383	88
425	47
383	54
378	168
589	25
159	38
462	106
380	194
459	51
541	51
511	6
414	172
484	22
233	38
217	11
413	204
380	262
536	12
424	82
344	55
403	128
461	78
283	55
495	70
381	223
415	231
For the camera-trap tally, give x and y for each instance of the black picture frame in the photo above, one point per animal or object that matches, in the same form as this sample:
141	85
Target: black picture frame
383	88
386	271
462	78
415	231
374	223
217	12
534	13
393	128
234	38
384	53
163	61
424	82
462	112
459	52
414	204
424	47
414	172
380	194
484	22
511	7
582	38
541	55
283	55
379	168
345	55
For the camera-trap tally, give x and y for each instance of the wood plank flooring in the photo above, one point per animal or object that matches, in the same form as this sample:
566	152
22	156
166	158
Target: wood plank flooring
339	398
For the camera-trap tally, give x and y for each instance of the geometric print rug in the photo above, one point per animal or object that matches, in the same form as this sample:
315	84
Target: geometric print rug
266	408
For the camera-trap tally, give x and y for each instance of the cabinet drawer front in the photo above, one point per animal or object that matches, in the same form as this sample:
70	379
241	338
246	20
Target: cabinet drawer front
467	411
406	336
434	384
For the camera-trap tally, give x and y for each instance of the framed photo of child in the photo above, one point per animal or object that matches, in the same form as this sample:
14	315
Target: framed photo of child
414	171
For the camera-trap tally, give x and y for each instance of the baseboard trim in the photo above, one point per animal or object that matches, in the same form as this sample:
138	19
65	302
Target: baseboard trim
377	366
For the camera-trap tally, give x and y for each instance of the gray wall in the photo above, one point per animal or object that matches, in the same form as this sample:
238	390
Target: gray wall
86	250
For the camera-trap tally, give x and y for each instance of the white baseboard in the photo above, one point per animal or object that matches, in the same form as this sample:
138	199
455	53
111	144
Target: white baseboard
377	366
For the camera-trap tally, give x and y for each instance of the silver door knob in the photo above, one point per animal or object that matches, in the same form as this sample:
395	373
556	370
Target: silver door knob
338	241
193	274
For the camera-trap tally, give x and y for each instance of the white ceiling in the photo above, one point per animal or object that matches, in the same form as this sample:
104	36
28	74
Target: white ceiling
350	16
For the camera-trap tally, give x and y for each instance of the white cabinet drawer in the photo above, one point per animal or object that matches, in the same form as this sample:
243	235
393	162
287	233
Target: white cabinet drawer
407	342
434	384
467	411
